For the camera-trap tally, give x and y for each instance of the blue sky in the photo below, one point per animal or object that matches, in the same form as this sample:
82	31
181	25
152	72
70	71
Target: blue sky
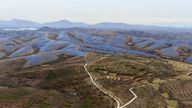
93	11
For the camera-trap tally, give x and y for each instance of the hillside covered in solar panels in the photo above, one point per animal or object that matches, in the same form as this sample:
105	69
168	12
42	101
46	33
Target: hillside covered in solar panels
51	68
46	44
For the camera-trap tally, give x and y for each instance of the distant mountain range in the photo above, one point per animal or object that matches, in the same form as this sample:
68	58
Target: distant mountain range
65	24
17	23
176	24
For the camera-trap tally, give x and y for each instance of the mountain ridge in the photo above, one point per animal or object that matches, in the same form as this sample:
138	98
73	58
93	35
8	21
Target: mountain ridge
18	23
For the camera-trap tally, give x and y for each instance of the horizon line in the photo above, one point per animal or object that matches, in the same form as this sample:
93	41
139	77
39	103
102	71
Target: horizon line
162	24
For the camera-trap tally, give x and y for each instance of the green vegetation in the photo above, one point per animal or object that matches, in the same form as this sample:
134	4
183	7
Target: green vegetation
60	84
158	81
165	95
155	86
38	98
151	72
134	66
58	79
172	103
86	104
8	96
65	84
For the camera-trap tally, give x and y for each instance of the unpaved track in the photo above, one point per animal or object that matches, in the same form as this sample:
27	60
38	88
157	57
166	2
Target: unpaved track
105	91
189	73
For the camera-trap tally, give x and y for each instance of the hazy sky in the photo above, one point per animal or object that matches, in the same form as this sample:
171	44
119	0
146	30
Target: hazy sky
92	11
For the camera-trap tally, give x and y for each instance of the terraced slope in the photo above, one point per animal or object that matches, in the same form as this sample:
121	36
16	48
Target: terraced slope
156	82
64	83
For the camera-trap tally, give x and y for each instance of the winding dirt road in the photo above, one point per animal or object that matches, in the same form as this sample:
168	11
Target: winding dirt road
105	91
189	72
